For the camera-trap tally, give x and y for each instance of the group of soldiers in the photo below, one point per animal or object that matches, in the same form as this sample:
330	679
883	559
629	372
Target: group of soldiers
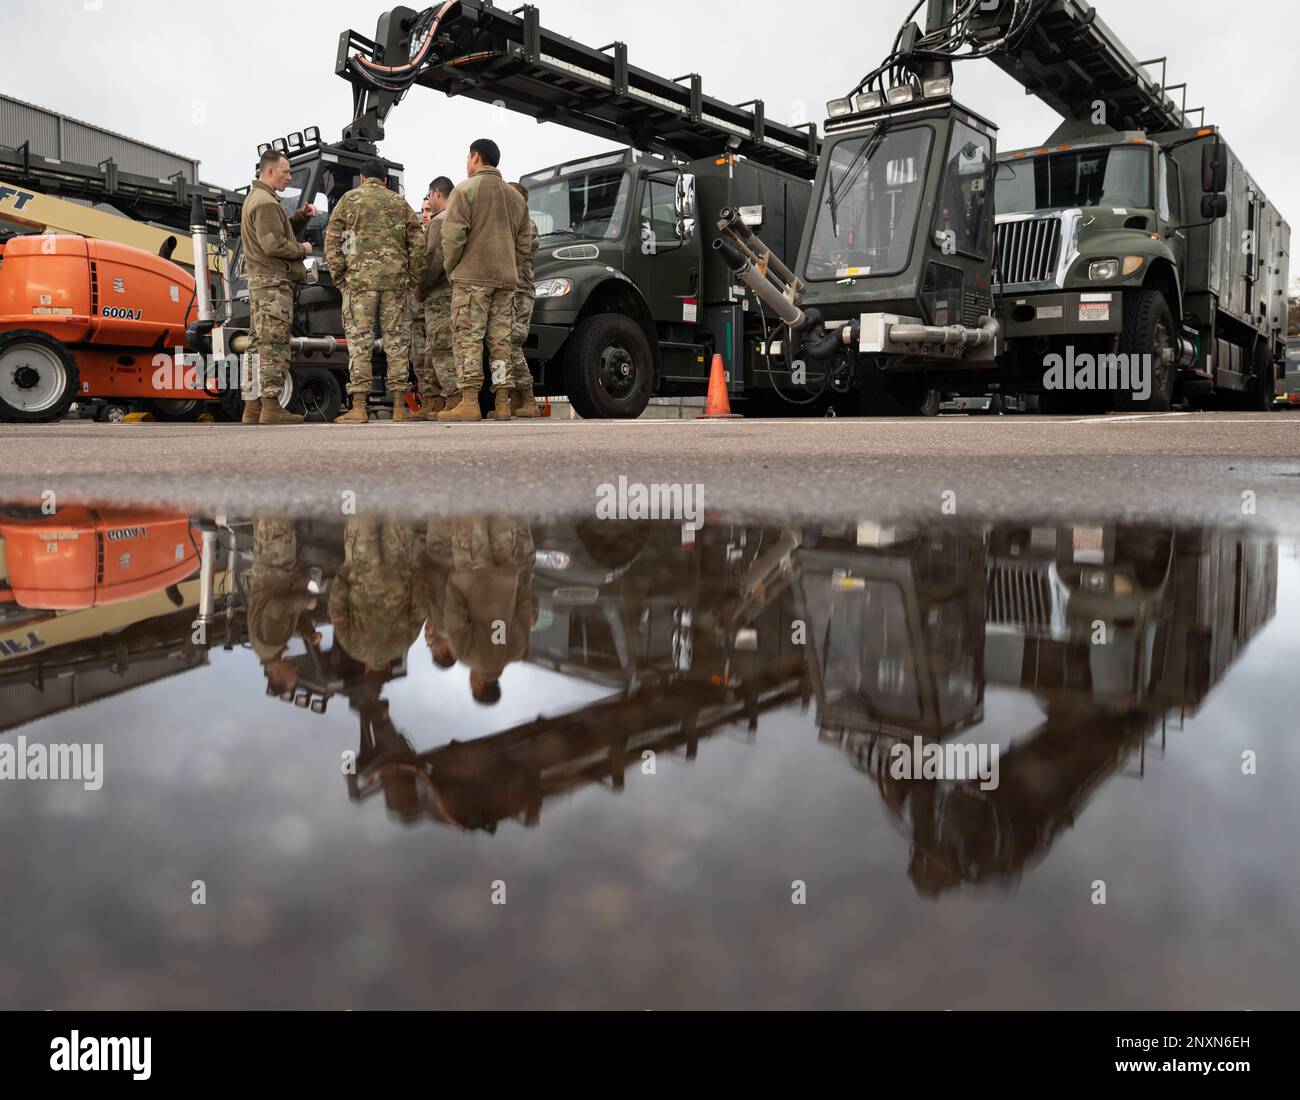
437	288
466	584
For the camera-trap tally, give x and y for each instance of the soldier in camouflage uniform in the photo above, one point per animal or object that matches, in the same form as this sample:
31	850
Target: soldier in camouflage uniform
484	241
522	402
273	260
278	599
438	386
375	250
378	601
419	344
436	565
490	606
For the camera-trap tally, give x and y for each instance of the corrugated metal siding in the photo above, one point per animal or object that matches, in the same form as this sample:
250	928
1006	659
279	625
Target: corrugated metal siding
19	123
82	143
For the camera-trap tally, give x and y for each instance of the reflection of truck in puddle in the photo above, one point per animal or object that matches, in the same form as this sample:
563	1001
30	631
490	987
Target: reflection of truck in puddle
1175	608
618	601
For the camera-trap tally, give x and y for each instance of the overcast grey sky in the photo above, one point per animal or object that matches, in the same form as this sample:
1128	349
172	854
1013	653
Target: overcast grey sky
213	80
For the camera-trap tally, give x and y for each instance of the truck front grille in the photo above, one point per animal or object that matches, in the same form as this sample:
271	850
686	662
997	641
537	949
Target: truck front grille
1018	595
1028	250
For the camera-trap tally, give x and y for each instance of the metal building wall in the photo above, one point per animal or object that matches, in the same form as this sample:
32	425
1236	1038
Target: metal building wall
54	135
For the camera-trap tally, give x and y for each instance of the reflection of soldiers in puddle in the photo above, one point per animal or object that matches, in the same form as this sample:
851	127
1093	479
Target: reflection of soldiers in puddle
489	606
377	601
278	600
436	566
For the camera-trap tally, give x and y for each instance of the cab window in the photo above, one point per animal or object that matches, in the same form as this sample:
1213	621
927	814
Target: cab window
963	218
658	212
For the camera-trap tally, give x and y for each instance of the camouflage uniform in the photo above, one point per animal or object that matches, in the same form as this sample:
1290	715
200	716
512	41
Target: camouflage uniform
277	588
484	238
440	357
419	340
520	376
480	313
271	302
375	250
378	601
273	262
491	586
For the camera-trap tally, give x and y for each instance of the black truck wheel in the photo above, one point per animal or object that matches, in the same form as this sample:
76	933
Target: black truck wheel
316	395
885	394
1262	388
38	377
608	368
1149	330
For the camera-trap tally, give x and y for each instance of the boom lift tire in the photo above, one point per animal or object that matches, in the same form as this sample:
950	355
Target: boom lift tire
1149	330
38	377
608	368
176	410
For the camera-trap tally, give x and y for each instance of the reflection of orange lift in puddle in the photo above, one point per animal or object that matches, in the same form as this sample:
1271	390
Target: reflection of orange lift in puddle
90	557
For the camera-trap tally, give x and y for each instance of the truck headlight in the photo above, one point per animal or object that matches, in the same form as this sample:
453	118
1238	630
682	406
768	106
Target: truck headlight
553	288
1101	270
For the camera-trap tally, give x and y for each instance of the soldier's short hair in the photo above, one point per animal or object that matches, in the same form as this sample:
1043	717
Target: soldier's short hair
443	185
375	170
488	150
270	157
521	189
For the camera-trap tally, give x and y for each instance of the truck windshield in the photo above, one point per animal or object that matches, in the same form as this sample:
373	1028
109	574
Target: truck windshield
1114	175
588	204
870	200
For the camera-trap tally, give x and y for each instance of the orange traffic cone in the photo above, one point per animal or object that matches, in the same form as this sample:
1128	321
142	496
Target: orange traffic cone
718	407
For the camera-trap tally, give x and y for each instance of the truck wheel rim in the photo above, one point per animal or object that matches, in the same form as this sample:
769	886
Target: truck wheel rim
32	378
1159	366
617	372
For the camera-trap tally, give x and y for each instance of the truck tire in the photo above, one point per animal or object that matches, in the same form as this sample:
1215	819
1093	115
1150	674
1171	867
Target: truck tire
1149	330
885	394
608	368
38	377
317	394
1262	388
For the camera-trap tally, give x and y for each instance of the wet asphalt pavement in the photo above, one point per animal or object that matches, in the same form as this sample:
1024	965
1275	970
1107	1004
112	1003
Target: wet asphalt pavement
1188	467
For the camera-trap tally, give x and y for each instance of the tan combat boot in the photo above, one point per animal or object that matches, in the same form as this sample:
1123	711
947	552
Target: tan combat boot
356	414
450	403
400	410
430	409
252	410
273	413
524	405
464	411
502	410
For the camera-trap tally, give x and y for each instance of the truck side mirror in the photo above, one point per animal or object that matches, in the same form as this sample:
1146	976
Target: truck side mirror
1214	169
684	199
1214	207
685	230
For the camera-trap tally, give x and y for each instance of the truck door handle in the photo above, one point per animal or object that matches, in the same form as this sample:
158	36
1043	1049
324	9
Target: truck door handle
693	283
